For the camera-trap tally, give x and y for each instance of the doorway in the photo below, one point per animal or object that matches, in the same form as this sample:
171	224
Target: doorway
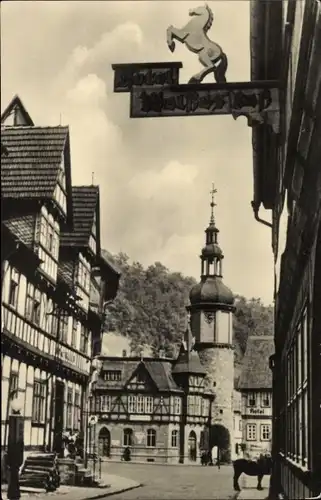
192	455
104	443
59	417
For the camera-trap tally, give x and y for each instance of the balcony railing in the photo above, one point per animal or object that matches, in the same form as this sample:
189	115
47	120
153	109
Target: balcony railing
24	330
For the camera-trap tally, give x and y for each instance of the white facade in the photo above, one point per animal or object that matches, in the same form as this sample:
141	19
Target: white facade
256	422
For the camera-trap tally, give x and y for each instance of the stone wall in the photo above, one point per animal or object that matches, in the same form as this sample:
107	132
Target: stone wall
219	364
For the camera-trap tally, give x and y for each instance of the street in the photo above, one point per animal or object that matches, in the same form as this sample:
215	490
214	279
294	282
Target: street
174	482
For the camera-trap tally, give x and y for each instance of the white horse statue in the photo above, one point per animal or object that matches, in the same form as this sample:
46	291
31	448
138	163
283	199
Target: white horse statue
194	36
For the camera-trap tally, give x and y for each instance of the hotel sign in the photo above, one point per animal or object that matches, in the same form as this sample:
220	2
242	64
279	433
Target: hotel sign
250	99
259	412
150	74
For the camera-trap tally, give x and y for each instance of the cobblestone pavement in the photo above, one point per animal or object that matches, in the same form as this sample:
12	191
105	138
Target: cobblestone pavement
164	482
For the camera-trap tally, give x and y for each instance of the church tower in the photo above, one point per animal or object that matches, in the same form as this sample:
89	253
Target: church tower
211	314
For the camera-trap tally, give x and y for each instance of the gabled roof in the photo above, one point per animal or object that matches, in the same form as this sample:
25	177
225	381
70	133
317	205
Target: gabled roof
256	373
141	367
31	168
85	202
159	371
15	106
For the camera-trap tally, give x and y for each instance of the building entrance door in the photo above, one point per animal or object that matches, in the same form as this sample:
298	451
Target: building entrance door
59	417
192	454
104	443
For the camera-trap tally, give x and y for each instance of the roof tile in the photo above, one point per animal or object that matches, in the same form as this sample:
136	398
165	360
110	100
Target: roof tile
31	166
84	201
256	373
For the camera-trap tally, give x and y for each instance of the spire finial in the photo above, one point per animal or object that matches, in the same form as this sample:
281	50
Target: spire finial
213	204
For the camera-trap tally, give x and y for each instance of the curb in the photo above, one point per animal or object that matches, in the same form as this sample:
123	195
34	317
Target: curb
115	492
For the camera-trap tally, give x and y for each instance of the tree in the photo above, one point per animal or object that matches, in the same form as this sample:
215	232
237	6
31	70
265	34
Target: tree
150	308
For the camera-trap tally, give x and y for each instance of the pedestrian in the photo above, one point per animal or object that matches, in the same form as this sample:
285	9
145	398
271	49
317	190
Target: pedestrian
218	458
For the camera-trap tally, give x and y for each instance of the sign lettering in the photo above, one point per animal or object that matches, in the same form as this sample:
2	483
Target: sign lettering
138	418
256	411
150	74
211	99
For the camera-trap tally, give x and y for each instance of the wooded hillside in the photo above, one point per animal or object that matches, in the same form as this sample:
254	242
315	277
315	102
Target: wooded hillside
150	309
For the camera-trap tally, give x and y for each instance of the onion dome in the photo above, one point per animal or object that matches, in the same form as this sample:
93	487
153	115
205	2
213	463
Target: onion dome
211	289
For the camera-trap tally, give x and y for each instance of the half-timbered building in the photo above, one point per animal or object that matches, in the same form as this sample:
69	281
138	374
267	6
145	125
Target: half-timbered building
156	407
255	386
54	281
172	410
285	46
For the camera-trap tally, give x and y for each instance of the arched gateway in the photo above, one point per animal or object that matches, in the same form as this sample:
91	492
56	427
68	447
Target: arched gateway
219	436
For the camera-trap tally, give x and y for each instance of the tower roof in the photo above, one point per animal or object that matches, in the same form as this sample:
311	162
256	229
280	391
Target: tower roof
188	360
211	289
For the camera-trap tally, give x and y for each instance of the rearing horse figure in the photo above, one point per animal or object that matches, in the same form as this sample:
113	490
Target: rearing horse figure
194	36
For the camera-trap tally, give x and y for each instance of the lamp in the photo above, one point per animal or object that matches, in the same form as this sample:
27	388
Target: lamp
16	406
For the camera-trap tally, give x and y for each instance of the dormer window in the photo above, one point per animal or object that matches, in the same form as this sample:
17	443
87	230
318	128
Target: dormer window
112	376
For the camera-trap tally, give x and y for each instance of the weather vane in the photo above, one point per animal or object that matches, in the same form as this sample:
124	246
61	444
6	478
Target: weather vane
213	204
194	36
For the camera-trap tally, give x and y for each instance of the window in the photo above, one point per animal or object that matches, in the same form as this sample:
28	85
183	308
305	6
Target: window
13	386
14	285
206	407
151	438
140	404
266	400
149	404
240	425
131	404
84	336
191	405
175	438
39	402
176	405
105	403
83	276
296	412
49	234
251	399
74	333
77	411
33	304
265	432
251	432
198	405
128	437
112	376
69	409
63	328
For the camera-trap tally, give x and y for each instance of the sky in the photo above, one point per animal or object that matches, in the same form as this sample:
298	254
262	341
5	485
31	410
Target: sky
155	174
